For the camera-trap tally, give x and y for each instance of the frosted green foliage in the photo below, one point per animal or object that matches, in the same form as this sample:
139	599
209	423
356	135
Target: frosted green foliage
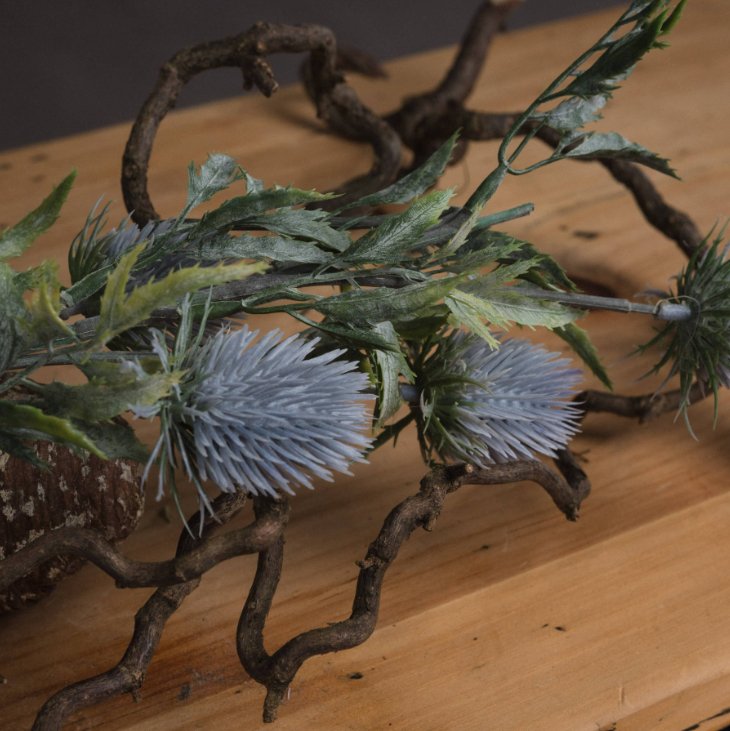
698	349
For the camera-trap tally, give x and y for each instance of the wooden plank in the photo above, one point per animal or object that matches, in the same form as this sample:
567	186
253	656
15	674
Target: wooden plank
638	584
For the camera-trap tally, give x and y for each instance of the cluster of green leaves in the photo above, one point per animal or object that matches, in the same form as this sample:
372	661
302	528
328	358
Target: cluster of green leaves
575	98
34	334
384	286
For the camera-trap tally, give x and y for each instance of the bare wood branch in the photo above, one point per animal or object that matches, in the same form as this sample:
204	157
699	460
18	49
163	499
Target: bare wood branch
644	408
276	671
336	102
129	573
128	674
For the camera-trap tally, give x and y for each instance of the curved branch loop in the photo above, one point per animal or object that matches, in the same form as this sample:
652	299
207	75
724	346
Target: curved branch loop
336	102
126	572
128	674
277	671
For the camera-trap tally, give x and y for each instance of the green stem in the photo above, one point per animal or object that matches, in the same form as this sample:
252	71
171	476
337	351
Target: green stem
663	310
487	188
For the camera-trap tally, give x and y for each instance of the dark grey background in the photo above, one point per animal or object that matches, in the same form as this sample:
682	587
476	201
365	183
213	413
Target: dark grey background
71	65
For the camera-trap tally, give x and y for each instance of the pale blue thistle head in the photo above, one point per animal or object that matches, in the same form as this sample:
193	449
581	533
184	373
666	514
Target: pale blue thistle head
265	414
482	405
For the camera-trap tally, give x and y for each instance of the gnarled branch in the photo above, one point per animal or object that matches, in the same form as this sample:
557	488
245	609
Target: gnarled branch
644	408
128	573
276	671
128	674
336	102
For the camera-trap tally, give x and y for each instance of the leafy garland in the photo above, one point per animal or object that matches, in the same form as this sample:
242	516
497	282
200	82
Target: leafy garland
263	414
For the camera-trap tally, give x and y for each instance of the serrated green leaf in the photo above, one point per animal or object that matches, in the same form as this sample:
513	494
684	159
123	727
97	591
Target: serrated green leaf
239	210
545	270
468	312
614	145
503	305
275	248
389	366
16	239
581	344
217	173
42	323
301	223
392	239
120	311
368	306
114	390
415	183
619	58
20	418
483	248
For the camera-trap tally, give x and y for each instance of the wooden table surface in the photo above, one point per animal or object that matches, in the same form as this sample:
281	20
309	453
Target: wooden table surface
505	616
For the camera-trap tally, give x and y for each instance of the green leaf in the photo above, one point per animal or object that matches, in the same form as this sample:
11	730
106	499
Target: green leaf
614	145
579	341
574	113
484	247
368	306
545	270
42	322
114	390
415	183
301	223
239	210
389	365
399	233
348	335
274	248
11	314
467	311
15	240
502	305
92	283
22	418
217	173
620	57
120	311
117	441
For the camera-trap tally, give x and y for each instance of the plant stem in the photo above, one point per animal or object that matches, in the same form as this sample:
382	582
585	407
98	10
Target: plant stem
663	310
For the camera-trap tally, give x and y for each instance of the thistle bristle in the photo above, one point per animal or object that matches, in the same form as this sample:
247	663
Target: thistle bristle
489	405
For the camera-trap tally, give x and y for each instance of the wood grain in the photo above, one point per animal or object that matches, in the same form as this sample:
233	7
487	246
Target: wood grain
505	617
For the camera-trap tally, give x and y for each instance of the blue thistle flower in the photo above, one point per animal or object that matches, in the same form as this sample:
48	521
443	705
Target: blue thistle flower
265	415
482	405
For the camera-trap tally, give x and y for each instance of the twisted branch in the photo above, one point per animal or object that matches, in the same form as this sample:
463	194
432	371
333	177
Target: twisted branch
189	564
336	102
644	408
128	674
276	671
